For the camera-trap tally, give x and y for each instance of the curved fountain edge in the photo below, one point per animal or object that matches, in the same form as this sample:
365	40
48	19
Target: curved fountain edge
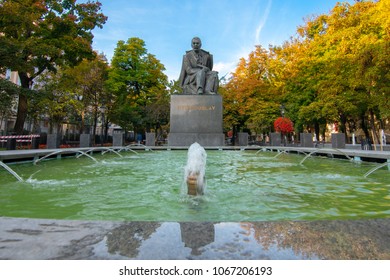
36	155
33	154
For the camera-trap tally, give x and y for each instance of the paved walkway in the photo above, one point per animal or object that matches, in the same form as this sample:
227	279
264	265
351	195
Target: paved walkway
63	239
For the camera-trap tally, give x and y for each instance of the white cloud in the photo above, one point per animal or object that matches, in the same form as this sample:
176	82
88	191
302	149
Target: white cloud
262	22
225	68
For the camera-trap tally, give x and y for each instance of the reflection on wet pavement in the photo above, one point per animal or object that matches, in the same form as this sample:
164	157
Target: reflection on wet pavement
59	239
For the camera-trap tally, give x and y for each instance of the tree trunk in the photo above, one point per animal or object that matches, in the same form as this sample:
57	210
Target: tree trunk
343	123
343	126
317	130
105	137
21	115
23	104
82	125
235	135
373	129
94	128
364	126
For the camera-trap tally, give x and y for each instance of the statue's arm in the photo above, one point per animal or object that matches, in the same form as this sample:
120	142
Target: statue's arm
182	72
211	62
189	68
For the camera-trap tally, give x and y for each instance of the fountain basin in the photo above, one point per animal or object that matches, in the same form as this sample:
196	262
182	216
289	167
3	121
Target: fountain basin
258	205
242	186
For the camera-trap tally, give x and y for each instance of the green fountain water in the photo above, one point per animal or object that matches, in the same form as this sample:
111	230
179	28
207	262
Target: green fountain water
241	186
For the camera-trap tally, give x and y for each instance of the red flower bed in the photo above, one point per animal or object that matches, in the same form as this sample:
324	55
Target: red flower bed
283	125
63	146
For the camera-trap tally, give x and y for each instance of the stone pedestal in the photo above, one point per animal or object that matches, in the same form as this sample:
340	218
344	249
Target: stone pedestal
338	140
11	144
85	140
276	139
196	118
35	143
306	140
118	139
150	139
53	141
243	139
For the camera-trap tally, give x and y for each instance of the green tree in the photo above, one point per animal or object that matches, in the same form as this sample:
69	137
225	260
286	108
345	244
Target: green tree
349	48
234	114
86	82
8	93
41	35
72	94
53	101
301	75
336	70
250	96
138	83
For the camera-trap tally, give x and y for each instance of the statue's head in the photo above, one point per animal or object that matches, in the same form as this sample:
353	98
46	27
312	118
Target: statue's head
196	43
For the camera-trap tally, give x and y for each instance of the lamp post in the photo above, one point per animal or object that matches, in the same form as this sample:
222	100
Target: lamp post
102	111
282	110
81	130
284	138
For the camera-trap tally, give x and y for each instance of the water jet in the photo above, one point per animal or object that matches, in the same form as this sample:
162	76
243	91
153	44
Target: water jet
9	169
194	172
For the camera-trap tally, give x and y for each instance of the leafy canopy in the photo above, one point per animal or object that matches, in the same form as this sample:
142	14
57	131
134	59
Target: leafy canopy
39	35
138	83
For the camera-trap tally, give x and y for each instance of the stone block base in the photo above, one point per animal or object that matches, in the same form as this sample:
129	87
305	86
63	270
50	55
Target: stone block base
118	139
338	140
276	139
204	139
11	144
150	139
243	139
306	140
85	140
53	141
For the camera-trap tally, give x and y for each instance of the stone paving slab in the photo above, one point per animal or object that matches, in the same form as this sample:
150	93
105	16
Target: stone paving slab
40	239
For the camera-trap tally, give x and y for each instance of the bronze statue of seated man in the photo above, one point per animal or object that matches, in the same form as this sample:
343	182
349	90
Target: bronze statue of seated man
196	76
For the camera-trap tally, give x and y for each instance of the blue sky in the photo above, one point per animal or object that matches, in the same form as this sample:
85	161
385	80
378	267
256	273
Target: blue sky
229	29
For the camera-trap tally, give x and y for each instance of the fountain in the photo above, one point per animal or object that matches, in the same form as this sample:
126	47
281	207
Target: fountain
241	186
194	172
